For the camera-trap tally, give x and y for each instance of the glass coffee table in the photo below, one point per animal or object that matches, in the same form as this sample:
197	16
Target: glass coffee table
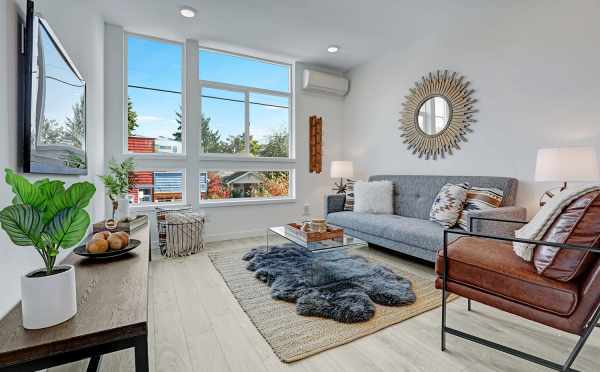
318	271
346	241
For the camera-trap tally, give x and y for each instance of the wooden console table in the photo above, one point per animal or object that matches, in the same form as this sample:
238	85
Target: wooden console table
112	314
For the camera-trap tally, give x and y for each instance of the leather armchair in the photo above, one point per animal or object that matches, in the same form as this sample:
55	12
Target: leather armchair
484	268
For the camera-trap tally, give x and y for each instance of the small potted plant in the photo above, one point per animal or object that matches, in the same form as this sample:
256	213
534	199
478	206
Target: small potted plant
46	216
117	182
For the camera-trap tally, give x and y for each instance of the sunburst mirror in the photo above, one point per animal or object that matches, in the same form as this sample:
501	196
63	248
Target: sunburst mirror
437	114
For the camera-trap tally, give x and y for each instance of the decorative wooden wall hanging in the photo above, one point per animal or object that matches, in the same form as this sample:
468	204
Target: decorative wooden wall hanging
316	144
437	90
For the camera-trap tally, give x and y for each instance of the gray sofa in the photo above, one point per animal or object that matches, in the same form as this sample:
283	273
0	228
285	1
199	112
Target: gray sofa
409	230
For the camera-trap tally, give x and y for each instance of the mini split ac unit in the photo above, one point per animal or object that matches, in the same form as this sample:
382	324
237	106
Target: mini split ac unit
325	83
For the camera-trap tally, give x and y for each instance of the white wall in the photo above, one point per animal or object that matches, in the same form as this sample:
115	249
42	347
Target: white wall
82	35
230	221
535	72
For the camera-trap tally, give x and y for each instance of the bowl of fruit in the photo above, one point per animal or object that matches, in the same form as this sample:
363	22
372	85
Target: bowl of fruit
105	244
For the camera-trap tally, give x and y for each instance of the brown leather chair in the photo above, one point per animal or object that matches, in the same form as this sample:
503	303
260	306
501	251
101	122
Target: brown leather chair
560	288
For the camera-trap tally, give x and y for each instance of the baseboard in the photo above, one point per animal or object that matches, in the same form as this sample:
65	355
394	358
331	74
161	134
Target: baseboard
235	235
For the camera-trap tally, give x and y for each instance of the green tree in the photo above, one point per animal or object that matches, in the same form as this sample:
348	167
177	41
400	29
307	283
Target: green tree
75	126
237	144
132	123
277	146
51	132
210	139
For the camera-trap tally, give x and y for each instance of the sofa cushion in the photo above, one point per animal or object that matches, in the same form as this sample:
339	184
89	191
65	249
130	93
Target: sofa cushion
448	204
412	231
479	199
491	266
578	223
374	197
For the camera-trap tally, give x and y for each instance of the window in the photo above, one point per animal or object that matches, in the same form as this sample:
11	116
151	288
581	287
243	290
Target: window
246	184
156	187
154	96
246	106
242	109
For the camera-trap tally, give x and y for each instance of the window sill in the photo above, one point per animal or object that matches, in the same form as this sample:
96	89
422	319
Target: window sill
205	157
156	155
236	203
152	207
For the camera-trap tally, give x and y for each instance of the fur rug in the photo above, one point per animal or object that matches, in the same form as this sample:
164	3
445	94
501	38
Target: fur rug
330	284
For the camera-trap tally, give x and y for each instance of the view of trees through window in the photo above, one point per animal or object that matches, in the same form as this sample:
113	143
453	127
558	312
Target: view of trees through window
219	185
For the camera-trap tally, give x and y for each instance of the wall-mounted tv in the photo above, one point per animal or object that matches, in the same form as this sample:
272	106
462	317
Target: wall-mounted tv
54	103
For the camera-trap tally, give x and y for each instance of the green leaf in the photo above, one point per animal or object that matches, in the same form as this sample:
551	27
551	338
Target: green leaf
51	188
68	227
79	194
25	192
23	224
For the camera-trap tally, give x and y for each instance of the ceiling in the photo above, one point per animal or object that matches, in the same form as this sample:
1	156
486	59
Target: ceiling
301	29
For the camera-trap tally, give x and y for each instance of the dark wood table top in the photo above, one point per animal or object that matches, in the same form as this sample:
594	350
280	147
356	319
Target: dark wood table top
112	304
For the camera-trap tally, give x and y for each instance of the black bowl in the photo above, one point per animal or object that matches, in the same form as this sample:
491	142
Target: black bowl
82	250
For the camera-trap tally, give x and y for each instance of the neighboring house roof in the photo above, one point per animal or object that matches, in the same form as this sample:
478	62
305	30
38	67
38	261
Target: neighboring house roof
238	177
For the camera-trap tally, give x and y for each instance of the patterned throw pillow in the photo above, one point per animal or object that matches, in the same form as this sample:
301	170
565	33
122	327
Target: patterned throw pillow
479	199
448	204
349	204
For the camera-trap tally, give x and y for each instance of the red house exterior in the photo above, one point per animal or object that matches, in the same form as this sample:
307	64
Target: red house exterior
140	144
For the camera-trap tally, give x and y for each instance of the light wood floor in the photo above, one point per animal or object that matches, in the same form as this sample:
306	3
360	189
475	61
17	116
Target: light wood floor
197	325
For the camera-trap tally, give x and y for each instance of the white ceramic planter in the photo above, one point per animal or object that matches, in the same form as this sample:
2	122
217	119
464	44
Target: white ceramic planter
48	300
123	210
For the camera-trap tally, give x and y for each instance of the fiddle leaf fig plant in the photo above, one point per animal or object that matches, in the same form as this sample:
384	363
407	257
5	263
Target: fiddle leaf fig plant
45	215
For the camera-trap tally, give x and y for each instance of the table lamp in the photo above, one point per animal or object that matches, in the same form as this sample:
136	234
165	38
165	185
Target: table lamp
573	164
341	169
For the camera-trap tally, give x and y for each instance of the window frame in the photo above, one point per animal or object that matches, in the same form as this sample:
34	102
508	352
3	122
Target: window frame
290	198
191	162
246	90
183	94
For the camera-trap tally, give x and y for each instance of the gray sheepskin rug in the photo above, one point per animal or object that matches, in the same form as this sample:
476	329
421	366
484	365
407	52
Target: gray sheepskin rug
329	284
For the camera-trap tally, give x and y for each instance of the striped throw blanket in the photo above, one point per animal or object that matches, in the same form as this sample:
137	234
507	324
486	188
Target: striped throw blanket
541	222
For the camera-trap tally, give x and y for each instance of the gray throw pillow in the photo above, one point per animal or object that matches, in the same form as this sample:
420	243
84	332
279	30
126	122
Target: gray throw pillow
448	204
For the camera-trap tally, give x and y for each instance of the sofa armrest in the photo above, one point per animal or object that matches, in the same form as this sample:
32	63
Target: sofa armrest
508	220
334	203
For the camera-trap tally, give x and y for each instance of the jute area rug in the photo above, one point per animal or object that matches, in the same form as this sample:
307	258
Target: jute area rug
293	337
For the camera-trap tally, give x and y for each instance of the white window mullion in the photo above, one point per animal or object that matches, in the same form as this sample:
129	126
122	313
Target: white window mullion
247	123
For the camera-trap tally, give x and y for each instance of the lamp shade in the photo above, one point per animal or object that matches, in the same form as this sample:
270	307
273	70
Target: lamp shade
576	164
342	169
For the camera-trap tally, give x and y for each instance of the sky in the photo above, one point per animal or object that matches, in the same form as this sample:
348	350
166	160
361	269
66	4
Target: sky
159	65
63	88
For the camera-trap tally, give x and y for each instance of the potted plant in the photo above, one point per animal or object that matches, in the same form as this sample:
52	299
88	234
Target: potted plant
46	216
117	182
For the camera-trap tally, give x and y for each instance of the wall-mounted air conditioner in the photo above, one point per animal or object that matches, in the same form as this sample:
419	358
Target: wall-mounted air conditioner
325	83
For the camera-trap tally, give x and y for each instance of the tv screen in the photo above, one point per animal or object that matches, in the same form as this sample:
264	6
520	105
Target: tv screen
55	122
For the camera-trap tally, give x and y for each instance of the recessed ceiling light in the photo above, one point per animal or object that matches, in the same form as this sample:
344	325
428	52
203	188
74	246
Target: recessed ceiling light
187	12
333	49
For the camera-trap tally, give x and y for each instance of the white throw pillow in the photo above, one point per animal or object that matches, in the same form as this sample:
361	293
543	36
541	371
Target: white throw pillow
374	197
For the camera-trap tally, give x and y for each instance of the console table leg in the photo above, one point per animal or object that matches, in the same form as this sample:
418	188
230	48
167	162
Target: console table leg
141	354
94	363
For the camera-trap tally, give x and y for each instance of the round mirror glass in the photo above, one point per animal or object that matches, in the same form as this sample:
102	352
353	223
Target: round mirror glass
434	115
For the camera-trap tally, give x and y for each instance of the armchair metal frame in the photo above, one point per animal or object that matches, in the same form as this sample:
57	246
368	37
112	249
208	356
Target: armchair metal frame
566	367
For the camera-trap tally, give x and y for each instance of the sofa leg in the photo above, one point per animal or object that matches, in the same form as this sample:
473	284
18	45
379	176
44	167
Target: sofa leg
468	304
581	342
444	290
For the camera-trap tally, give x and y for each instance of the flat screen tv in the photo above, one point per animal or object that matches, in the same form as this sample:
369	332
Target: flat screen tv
54	103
